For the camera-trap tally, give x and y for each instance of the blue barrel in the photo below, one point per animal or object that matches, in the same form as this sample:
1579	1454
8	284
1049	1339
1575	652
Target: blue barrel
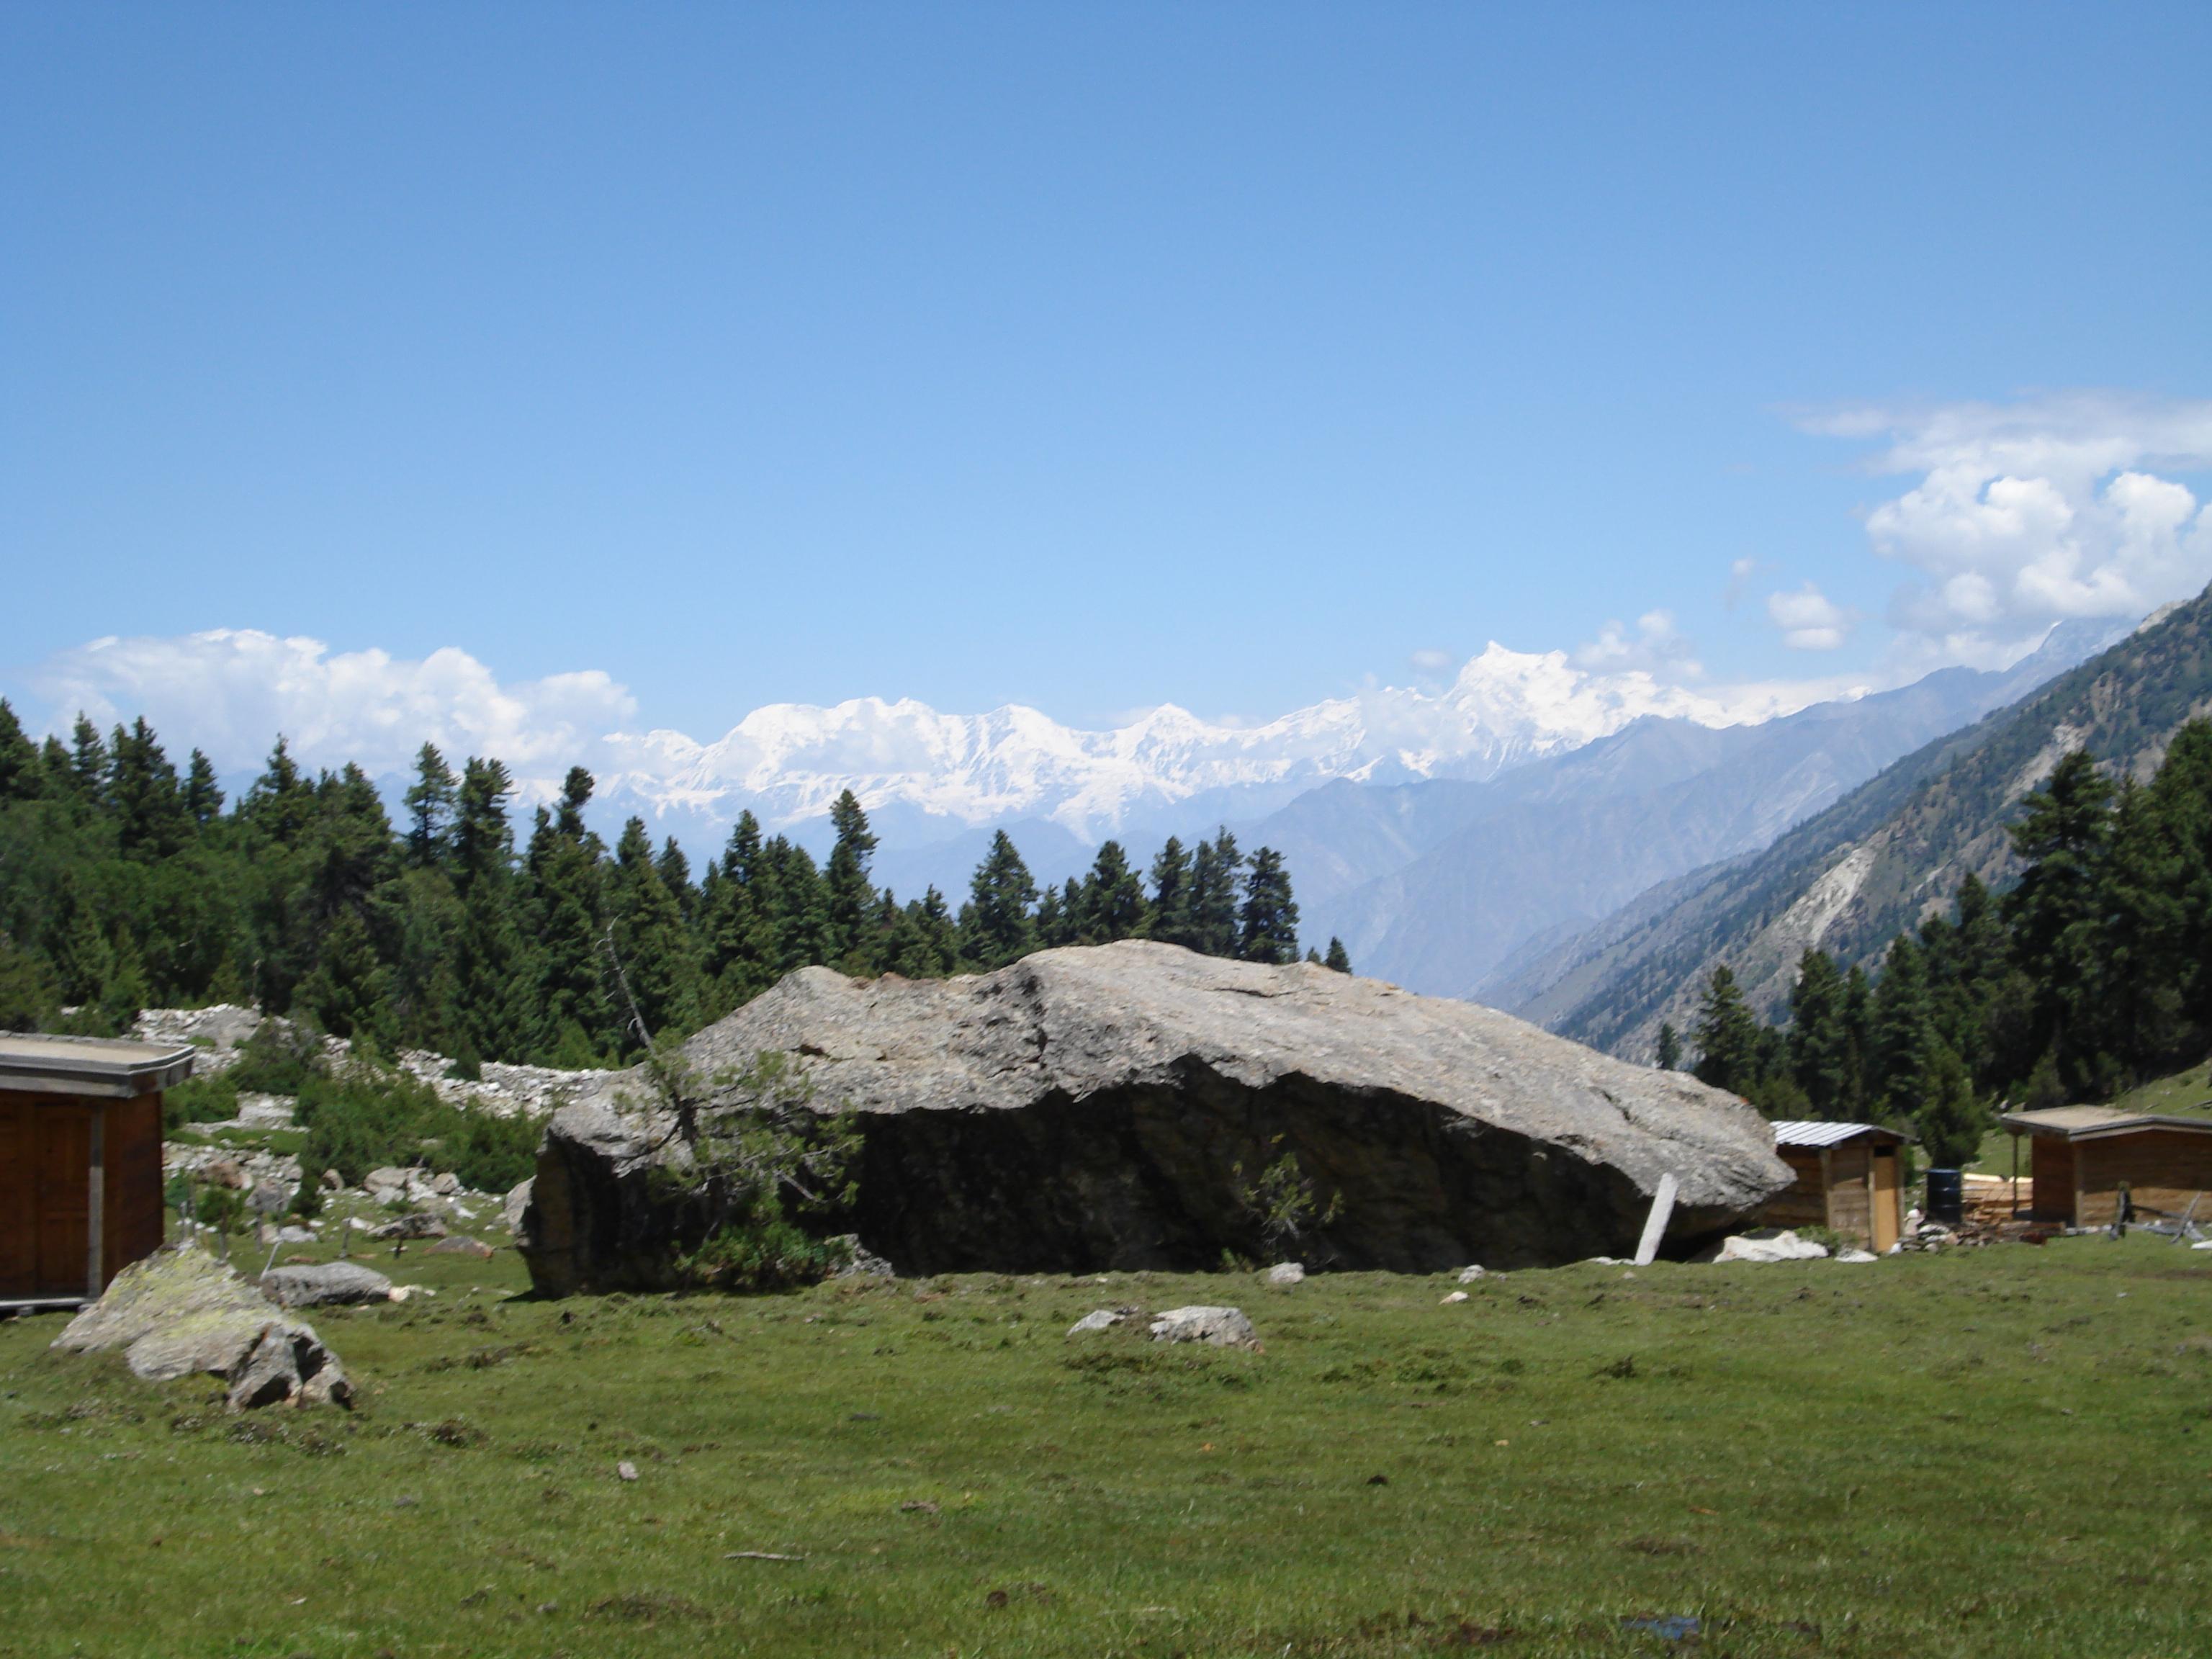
1946	1196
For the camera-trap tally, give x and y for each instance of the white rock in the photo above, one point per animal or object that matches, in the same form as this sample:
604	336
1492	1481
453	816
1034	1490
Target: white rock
1468	1275
1223	1327
518	1201
2201	1244
1783	1247
1098	1319
1856	1256
626	1470
444	1183
1456	1295
1286	1272
384	1180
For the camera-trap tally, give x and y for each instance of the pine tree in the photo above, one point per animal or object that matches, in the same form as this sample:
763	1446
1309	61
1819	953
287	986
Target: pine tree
848	890
19	759
2063	834
1820	1042
1905	1037
1054	926
794	909
87	764
730	945
1726	1037
1339	960
1670	1047
1267	923
1214	869
1950	1122
996	927
429	801
564	868
675	871
280	802
657	979
142	798
203	795
1172	881
494	971
1113	902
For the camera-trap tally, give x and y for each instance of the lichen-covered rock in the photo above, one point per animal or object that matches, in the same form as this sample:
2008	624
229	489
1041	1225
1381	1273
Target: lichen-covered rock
1110	1108
1222	1327
178	1313
1287	1273
1098	1319
325	1283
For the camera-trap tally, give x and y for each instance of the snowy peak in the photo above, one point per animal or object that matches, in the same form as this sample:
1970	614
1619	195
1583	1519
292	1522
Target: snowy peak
788	762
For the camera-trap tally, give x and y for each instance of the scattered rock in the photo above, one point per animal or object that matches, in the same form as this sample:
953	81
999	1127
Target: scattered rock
328	1284
1223	1327
386	1179
1782	1247
225	1172
268	1198
415	1223
1098	1319
461	1244
517	1205
296	1235
625	1470
861	1261
1287	1273
180	1312
1456	1295
918	1506
333	1182
446	1184
1856	1256
1468	1275
1089	1109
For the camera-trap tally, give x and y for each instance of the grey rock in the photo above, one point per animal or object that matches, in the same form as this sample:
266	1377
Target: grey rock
268	1198
333	1182
461	1244
626	1470
1098	1319
178	1313
444	1183
1468	1275
517	1205
328	1284
415	1223
385	1180
226	1172
1090	1109
1287	1273
1781	1247
1223	1327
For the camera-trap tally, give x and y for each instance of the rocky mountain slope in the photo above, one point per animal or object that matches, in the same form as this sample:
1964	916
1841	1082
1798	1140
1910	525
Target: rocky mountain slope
1885	855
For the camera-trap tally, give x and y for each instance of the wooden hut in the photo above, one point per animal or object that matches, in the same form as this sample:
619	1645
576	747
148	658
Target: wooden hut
80	1162
2079	1157
1849	1178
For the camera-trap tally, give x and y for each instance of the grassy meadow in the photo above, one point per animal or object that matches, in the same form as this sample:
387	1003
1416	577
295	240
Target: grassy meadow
2003	1451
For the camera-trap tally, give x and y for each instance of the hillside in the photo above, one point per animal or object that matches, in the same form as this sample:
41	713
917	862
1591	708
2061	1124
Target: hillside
1880	859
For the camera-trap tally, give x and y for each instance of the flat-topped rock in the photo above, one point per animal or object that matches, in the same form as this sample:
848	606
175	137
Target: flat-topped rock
1110	1108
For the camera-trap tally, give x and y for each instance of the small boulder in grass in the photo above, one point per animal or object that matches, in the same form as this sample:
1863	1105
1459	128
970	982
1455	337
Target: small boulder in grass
1287	1273
1098	1319
416	1223
1220	1328
328	1284
461	1244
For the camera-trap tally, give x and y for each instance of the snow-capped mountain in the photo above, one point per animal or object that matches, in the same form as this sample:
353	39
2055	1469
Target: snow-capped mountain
788	761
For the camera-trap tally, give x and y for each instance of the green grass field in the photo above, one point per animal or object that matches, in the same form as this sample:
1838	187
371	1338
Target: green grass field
2005	1451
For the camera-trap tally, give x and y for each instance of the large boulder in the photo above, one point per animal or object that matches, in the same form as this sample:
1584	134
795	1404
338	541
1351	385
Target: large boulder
178	1313
1111	1107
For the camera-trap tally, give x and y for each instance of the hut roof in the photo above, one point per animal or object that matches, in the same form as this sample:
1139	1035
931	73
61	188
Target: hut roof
1797	1132
2096	1122
104	1067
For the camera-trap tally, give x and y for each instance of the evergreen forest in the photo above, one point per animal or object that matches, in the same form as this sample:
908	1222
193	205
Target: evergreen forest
125	882
2089	974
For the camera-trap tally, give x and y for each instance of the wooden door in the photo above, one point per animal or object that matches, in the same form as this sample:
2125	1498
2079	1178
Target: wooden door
1888	1190
19	1207
61	1144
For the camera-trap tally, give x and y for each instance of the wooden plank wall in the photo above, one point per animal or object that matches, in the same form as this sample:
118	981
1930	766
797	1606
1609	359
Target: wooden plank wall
45	1147
2051	1162
18	1208
133	1206
1803	1203
1851	1205
2164	1170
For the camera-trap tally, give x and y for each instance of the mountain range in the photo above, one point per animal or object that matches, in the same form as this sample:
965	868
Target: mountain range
1879	859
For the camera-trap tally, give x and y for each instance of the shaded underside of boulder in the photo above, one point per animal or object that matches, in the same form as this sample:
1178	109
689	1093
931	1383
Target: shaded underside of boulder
1110	1107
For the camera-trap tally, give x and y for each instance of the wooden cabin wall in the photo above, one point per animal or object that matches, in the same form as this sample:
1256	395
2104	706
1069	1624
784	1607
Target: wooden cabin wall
1804	1202
2164	1170
45	1169
19	1209
2050	1164
132	1204
1850	1201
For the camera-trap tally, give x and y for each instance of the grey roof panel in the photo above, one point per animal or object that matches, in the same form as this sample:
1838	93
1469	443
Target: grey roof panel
103	1067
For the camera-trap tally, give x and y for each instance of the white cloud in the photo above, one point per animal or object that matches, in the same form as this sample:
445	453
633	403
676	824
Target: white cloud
2033	513
1655	646
1809	619
230	691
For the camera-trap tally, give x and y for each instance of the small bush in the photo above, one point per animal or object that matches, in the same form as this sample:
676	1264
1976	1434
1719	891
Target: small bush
200	1100
364	1118
279	1059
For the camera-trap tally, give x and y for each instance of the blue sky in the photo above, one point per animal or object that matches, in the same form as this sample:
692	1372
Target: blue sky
1085	357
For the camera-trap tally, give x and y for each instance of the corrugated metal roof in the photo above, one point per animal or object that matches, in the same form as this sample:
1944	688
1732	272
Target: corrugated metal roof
1792	1132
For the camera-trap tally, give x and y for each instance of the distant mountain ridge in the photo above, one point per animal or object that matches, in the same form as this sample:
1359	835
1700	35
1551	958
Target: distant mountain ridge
1849	878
